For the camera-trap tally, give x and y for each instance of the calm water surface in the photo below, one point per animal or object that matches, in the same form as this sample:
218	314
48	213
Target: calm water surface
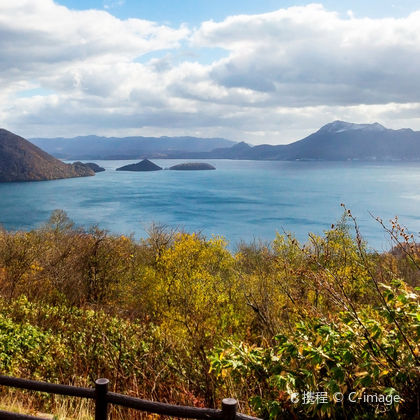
241	200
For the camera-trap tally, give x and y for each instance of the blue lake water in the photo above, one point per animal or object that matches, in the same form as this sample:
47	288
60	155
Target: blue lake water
241	200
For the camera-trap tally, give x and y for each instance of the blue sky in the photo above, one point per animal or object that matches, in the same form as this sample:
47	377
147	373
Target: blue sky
194	12
259	71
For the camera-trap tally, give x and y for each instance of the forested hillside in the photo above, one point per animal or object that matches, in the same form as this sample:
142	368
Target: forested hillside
20	160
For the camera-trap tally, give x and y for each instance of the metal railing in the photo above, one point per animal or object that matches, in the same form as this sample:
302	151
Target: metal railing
103	398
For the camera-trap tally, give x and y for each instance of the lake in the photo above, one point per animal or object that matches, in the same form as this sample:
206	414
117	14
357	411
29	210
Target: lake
241	200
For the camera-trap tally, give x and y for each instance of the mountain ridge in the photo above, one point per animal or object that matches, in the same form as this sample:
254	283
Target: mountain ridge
338	140
134	147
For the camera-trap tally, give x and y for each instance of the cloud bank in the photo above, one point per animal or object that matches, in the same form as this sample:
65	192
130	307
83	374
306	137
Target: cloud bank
283	74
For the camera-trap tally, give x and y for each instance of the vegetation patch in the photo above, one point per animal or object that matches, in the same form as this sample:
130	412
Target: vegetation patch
324	329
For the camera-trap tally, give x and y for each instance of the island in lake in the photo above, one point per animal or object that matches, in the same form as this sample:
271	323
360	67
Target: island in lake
144	166
94	166
192	166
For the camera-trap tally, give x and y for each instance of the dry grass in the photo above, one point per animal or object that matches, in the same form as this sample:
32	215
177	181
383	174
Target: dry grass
61	408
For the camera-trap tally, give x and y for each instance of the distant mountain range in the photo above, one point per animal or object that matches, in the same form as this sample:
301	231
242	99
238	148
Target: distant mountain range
94	147
20	160
338	140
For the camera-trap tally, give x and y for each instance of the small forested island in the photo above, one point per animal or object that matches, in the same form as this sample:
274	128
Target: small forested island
144	166
20	160
192	166
94	166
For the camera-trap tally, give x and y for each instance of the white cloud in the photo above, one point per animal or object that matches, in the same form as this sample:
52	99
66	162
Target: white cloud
308	56
114	3
286	73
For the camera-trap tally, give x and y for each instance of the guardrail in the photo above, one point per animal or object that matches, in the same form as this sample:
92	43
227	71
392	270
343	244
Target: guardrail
103	398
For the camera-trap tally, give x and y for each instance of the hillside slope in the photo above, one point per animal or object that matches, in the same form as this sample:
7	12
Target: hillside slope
20	160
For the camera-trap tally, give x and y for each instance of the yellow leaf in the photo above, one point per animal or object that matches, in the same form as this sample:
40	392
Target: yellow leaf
361	373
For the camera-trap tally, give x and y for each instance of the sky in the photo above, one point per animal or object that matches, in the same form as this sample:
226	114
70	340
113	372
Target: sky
257	71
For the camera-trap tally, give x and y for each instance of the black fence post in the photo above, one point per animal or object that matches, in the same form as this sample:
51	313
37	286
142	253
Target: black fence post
229	408
101	403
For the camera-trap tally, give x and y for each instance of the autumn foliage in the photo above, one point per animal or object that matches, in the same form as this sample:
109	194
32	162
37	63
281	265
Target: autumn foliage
177	317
